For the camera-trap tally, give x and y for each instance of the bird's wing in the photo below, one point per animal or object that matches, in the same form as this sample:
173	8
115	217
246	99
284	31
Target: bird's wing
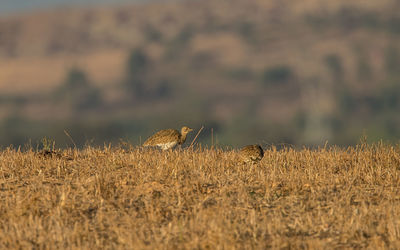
162	136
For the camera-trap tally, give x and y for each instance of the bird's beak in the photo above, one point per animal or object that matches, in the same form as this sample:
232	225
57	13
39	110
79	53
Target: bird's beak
190	129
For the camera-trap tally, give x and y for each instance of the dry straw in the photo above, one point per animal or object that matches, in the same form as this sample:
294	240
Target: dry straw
201	198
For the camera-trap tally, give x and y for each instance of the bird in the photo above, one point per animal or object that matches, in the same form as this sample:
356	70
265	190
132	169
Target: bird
251	154
167	138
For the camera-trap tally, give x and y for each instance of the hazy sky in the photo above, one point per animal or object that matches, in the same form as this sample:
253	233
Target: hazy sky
9	6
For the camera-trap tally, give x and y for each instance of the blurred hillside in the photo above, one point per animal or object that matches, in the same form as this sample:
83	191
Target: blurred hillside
254	71
13	6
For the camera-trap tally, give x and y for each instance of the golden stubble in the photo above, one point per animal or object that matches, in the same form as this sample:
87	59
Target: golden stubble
120	198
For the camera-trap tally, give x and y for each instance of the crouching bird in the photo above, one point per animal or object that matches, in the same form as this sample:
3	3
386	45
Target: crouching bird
251	154
167	138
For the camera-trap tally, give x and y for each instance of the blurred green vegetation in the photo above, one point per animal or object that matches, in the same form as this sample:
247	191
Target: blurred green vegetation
277	75
137	70
77	91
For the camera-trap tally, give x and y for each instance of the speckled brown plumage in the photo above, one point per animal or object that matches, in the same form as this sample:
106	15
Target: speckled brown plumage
168	138
251	154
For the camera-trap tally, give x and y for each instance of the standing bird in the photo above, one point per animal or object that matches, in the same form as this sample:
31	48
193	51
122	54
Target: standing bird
251	154
168	138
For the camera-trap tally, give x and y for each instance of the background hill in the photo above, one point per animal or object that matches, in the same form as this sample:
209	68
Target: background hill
13	6
253	71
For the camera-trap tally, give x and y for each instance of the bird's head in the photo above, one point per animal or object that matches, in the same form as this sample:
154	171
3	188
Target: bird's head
185	130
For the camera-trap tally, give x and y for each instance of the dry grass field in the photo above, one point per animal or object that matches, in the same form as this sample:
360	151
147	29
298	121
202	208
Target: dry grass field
125	198
297	72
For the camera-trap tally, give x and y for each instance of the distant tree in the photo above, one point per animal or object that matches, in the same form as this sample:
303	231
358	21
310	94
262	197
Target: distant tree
163	89
184	36
334	64
392	61
277	75
347	102
364	69
77	90
247	31
390	95
76	79
202	60
123	16
394	24
177	45
137	70
152	34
